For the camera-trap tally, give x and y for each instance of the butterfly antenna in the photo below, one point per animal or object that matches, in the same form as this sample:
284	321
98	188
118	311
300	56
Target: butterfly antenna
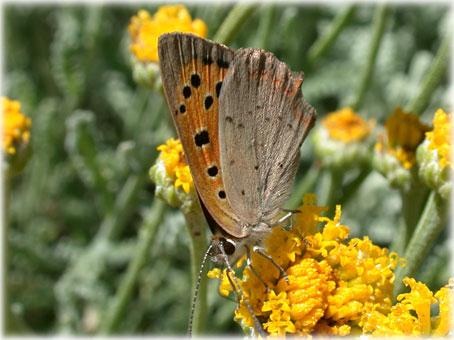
196	292
257	324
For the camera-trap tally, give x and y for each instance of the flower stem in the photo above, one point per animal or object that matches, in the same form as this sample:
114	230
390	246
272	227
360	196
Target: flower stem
9	317
13	323
147	233
429	227
329	37
412	204
113	222
351	188
436	73
266	25
195	222
378	29
237	16
335	184
304	186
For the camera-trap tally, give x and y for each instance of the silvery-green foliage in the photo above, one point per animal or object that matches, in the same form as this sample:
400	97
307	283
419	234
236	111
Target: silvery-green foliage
76	211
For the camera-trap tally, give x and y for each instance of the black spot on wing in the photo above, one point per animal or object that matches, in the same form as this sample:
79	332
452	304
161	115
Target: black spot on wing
218	88
186	91
208	102
221	194
201	138
195	80
212	171
207	60
222	63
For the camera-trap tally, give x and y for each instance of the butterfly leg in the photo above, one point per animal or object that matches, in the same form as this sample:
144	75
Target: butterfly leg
290	214
249	263
259	251
234	283
284	218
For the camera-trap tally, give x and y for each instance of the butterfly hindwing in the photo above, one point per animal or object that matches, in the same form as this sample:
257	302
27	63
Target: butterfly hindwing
263	120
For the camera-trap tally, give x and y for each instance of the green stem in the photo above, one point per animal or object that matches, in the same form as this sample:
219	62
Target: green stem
195	222
303	186
437	72
378	29
400	239
335	185
147	233
266	25
412	204
329	37
429	227
15	325
236	18
351	188
8	318
114	222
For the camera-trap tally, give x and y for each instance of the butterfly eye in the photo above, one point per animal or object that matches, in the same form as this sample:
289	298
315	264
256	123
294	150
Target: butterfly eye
229	246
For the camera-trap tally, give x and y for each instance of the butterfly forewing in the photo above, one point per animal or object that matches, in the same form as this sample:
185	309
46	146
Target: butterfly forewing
193	70
263	120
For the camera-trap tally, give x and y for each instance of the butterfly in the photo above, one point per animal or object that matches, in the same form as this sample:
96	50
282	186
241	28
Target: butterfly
241	118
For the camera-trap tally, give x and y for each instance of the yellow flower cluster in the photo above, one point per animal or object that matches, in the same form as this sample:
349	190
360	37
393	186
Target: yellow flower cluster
411	316
336	287
175	164
347	126
145	29
16	127
441	137
404	132
331	281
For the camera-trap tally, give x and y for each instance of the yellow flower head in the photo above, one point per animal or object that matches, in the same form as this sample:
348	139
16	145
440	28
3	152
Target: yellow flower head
443	324
404	132
16	127
330	281
175	163
411	316
441	137
145	29
347	126
343	141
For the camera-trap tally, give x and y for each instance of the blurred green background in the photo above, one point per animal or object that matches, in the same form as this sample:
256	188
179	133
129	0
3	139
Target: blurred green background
75	212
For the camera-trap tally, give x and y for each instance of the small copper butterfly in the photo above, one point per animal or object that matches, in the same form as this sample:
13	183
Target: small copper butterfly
241	118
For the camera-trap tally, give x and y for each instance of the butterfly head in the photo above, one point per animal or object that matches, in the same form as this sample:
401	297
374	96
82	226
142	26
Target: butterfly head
222	246
227	248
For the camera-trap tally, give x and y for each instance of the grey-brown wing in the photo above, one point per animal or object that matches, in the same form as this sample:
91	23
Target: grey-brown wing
263	120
